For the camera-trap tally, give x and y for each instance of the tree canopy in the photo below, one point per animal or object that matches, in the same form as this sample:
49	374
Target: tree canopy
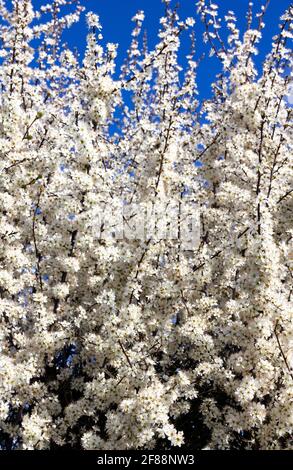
135	339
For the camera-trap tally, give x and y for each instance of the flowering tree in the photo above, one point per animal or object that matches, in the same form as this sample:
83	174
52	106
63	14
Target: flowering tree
115	341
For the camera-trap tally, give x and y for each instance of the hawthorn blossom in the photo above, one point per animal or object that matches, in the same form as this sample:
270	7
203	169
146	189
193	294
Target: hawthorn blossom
121	342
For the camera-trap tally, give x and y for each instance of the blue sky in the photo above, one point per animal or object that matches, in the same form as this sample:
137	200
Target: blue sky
116	17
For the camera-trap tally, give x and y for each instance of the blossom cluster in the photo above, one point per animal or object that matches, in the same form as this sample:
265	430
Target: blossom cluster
130	343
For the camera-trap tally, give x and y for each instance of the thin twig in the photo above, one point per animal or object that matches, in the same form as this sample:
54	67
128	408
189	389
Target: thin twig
281	350
125	353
